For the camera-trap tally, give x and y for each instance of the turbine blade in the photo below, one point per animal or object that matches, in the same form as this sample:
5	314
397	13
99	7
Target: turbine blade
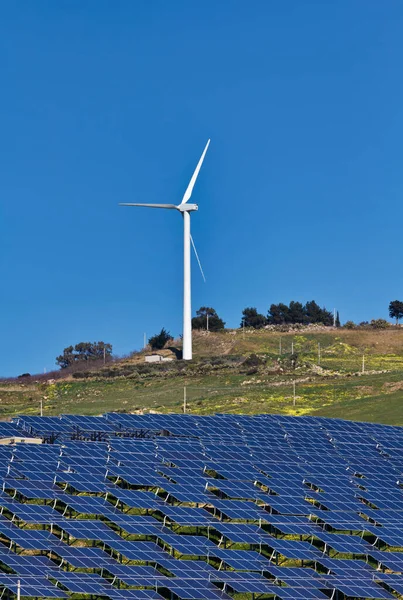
192	182
170	206
198	259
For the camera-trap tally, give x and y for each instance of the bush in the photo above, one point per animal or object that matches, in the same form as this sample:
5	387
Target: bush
82	374
252	361
158	341
349	325
379	324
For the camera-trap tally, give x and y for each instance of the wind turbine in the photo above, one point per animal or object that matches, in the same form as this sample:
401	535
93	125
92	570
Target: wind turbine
185	209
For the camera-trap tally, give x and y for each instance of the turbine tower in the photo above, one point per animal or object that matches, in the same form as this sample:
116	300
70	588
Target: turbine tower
185	209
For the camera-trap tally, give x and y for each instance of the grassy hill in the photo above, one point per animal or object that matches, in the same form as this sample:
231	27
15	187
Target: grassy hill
240	372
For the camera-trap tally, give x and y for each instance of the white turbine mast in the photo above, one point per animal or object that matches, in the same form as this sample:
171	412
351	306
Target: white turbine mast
185	209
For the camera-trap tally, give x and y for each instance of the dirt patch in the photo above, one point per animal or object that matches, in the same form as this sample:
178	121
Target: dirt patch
393	386
364	390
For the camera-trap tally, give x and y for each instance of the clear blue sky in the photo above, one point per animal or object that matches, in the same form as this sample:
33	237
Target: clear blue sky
103	102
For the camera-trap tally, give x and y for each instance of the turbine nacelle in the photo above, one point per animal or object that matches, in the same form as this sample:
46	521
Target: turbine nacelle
187	207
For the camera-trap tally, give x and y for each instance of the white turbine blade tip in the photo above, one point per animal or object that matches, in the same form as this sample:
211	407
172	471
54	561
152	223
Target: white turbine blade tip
170	206
198	259
192	182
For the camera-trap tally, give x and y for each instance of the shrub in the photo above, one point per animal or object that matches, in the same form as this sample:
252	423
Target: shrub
252	361
349	325
158	341
82	374
379	324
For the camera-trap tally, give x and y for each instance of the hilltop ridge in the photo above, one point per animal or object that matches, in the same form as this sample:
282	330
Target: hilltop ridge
325	371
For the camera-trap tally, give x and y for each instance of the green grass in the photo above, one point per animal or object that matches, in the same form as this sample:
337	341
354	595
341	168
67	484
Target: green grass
371	397
221	384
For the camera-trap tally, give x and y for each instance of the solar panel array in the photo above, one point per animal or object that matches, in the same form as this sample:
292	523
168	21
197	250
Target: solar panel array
188	507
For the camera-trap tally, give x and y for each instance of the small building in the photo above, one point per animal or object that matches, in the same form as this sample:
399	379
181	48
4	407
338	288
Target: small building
157	358
20	440
153	358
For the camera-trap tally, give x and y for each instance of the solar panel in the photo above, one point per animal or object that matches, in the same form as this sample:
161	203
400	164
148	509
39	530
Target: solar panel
360	589
207	507
348	544
251	583
31	586
117	594
82	583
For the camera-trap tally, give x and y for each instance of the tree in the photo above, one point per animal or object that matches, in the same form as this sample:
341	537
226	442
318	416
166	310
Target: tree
67	358
396	310
251	318
315	314
274	316
285	312
337	319
158	341
84	351
279	314
214	321
296	312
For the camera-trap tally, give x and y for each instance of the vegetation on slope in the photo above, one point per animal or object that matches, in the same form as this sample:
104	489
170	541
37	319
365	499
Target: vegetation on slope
250	372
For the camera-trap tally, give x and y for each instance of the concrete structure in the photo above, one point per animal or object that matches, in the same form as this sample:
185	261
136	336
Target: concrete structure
20	440
153	358
156	358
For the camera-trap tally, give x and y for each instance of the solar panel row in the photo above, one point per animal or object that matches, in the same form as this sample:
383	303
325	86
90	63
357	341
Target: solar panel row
202	507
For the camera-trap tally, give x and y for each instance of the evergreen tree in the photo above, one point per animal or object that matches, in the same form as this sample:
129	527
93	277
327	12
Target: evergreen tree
313	312
274	316
214	321
296	312
285	313
251	318
337	319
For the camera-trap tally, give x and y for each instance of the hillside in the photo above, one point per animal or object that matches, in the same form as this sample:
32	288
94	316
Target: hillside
240	372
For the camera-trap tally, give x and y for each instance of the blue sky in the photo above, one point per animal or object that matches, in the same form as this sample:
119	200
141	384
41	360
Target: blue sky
104	102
